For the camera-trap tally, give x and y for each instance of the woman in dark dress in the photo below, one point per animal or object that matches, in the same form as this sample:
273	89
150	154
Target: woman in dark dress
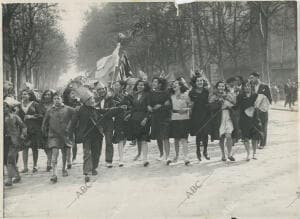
121	98
200	114
154	86
159	104
249	121
139	121
45	104
31	113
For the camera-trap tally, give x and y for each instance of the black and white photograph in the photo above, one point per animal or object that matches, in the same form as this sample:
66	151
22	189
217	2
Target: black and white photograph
153	110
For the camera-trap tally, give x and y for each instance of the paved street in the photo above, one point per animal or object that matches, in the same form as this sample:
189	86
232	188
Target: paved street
263	188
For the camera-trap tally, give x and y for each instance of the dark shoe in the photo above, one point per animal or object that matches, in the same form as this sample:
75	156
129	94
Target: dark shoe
146	164
261	147
86	179
109	165
53	179
69	166
65	173
206	156
224	159
25	170
168	162
34	170
187	162
136	157
48	168
8	183
199	155
231	158
17	179
94	172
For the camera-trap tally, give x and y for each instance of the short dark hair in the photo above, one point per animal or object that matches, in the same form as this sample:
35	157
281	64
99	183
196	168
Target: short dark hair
220	82
44	93
230	80
30	93
157	78
194	79
56	94
183	88
146	85
163	83
255	74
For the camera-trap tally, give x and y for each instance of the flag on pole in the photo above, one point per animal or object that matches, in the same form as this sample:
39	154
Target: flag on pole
106	66
125	68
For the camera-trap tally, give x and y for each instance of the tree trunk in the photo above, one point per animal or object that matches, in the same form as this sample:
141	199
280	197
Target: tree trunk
220	42
180	49
199	42
265	46
255	40
234	39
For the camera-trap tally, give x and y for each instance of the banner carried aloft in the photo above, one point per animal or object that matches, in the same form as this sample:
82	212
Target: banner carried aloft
125	68
106	66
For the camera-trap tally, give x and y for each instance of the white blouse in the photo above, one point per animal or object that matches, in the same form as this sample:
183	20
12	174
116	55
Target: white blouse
181	102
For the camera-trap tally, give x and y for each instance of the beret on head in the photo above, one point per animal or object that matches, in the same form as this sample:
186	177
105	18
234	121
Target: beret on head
83	93
99	85
255	74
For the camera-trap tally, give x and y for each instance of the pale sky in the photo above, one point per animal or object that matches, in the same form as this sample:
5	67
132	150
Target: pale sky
72	15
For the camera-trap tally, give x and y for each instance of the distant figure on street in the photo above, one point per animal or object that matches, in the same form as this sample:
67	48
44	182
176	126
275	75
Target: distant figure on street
288	93
275	93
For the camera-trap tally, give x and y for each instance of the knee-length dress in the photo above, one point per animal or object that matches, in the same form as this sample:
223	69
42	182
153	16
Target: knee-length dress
139	112
120	121
160	118
226	126
34	137
250	126
221	119
44	107
200	113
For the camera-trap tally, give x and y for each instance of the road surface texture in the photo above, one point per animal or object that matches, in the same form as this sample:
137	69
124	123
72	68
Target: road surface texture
263	188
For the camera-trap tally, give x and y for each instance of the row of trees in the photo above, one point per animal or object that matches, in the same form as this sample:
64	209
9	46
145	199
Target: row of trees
235	36
34	49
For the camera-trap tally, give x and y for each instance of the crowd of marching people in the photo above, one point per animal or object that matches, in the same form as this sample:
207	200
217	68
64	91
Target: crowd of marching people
229	111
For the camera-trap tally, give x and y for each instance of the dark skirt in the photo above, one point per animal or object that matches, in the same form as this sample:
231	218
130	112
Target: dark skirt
7	142
137	132
35	140
179	129
250	127
160	128
119	131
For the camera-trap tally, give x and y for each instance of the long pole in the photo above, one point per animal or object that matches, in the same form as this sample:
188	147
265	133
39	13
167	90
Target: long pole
193	47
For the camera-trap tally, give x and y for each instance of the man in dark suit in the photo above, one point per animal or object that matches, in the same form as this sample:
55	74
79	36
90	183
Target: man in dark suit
260	88
89	121
104	101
